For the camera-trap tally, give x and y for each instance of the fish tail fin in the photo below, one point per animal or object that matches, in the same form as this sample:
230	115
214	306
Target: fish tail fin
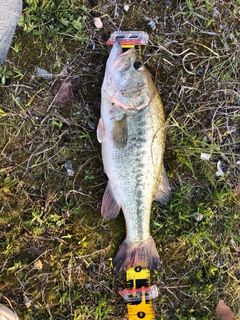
131	255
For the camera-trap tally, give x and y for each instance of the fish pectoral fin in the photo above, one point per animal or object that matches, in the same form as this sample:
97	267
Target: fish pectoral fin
163	194
110	208
101	131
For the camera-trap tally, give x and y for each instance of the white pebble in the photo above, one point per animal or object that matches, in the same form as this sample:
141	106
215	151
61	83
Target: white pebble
98	23
126	7
198	217
69	168
205	156
38	264
27	302
219	172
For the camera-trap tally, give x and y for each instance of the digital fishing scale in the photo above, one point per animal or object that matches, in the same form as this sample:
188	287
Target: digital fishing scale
138	293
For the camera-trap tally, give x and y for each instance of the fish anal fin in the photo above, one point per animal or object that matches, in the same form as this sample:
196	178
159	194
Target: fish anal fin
110	208
101	131
131	255
163	193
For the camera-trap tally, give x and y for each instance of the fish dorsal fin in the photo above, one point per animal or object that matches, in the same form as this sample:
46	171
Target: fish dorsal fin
101	131
110	208
163	194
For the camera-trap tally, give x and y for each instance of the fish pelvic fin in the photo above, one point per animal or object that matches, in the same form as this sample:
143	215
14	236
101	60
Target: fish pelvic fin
110	209
131	255
101	131
163	194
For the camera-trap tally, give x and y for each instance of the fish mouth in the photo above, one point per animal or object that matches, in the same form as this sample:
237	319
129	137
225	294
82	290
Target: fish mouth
121	60
118	62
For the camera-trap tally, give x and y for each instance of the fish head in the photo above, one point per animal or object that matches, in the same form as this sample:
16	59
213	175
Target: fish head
127	83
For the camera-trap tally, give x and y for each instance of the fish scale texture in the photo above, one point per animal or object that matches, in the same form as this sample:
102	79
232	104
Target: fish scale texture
137	167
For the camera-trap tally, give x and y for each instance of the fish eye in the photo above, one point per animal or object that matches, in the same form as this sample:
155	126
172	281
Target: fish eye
137	64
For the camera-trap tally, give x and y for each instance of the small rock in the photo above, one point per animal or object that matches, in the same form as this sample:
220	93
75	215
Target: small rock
88	286
216	13
44	74
205	156
232	242
69	168
219	172
91	125
38	264
126	7
92	44
198	217
27	302
117	13
169	3
151	25
98	23
231	130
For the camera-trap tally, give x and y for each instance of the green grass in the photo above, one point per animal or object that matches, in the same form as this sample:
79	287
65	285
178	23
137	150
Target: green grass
56	249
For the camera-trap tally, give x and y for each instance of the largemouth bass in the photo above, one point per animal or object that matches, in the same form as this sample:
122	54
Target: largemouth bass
132	133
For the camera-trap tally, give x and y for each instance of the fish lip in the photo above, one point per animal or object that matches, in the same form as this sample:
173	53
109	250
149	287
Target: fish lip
121	60
127	53
115	52
118	61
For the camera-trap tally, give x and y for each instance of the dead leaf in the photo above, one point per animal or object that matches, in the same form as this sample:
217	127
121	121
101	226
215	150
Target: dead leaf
223	311
65	93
